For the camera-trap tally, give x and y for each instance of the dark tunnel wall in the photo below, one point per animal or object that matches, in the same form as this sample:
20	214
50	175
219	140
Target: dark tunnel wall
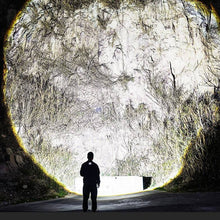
20	178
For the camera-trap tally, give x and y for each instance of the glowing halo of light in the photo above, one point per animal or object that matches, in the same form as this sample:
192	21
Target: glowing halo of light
16	21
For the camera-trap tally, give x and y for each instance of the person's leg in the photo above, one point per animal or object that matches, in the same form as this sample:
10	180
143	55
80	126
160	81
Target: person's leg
85	197
94	198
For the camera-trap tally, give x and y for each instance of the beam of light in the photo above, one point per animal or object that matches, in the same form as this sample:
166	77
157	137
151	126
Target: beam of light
115	102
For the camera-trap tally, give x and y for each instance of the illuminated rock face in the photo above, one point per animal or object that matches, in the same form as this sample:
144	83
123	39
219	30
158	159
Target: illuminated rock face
111	81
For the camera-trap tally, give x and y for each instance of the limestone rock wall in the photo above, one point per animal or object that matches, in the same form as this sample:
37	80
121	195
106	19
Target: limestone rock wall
113	79
20	178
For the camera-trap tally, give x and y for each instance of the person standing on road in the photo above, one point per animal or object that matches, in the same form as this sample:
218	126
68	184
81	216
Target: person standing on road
91	180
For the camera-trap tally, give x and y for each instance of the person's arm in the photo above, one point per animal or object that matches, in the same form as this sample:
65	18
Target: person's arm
98	176
82	170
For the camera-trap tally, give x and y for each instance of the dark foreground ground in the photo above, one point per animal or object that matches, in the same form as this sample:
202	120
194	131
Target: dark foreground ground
151	201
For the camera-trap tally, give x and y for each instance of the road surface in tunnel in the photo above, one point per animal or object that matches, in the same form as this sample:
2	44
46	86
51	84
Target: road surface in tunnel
149	201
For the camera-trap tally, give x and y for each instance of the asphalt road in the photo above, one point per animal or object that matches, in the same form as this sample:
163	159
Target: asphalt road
150	201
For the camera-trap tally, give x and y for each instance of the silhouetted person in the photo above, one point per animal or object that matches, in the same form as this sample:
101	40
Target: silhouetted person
91	180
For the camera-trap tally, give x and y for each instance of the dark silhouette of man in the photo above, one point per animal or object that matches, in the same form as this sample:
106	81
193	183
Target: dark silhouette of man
91	180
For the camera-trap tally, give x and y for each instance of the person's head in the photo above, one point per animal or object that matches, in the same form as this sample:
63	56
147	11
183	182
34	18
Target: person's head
90	156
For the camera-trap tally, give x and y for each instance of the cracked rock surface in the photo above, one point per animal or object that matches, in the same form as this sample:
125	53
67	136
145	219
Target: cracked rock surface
115	81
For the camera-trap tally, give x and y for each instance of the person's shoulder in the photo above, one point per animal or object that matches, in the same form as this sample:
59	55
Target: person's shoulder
95	164
85	163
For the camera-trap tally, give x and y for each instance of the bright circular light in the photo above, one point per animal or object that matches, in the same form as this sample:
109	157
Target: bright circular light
108	80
